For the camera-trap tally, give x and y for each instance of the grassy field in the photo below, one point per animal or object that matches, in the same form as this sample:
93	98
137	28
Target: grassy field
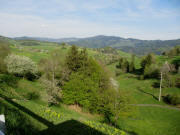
145	120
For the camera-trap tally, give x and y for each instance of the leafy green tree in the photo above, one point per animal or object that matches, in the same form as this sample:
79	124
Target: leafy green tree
86	87
20	65
88	82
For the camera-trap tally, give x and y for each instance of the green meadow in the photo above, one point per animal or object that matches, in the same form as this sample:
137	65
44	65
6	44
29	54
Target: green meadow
143	120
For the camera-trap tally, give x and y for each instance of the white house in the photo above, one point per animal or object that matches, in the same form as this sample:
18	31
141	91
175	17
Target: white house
2	125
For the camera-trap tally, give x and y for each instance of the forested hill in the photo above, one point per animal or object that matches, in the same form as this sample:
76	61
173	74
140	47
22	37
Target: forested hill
139	47
131	45
58	40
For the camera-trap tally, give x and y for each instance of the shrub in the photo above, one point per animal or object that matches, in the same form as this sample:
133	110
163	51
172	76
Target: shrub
141	77
151	71
168	81
33	95
118	72
10	80
173	99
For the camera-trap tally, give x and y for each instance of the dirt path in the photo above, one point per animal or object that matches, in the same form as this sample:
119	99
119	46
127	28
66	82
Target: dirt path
155	105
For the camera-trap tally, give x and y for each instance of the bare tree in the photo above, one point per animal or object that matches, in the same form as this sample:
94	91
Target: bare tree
164	70
51	69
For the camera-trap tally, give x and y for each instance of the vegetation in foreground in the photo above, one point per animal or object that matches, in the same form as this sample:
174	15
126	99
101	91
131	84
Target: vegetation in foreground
70	75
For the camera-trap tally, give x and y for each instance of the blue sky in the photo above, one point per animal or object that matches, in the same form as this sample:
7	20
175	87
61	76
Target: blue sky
142	19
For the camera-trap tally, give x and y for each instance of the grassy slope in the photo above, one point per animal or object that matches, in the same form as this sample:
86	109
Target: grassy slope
146	120
35	110
39	107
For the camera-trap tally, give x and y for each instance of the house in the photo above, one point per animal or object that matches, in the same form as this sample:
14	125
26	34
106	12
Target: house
2	125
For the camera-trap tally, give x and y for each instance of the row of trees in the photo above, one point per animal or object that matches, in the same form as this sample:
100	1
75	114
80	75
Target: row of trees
173	52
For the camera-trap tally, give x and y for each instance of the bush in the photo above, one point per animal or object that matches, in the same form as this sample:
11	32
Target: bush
118	72
172	99
32	76
152	71
168	81
141	77
33	95
9	80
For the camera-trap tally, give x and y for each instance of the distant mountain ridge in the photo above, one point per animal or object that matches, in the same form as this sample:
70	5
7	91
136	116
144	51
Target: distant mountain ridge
136	46
131	45
58	40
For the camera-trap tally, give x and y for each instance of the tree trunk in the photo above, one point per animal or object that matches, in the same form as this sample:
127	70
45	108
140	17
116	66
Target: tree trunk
160	88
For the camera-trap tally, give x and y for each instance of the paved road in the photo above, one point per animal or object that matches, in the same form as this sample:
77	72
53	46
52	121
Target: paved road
155	105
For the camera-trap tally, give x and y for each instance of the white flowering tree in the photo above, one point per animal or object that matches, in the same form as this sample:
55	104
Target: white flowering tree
20	65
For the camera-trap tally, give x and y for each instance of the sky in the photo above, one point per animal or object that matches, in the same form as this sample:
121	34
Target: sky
141	19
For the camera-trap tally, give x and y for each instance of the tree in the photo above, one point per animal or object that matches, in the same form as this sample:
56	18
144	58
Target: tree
4	51
72	59
119	104
88	82
148	60
123	65
20	65
63	45
51	73
165	69
75	59
131	65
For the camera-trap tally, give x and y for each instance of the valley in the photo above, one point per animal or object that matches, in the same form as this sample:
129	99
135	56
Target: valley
25	102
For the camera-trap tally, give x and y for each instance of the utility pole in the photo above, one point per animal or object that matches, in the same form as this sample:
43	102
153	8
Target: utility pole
160	87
